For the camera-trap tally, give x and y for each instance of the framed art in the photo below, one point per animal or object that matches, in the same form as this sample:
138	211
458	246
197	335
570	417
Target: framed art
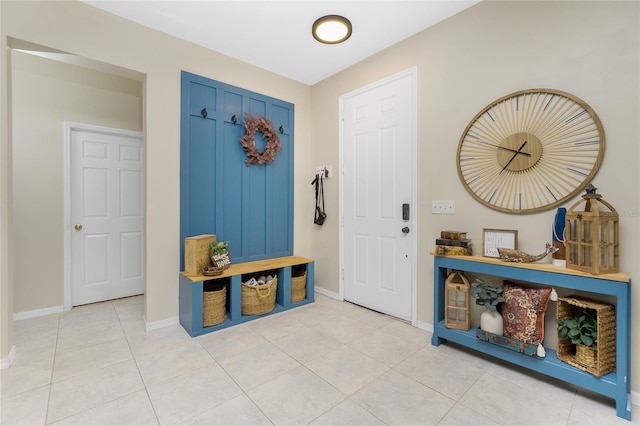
494	238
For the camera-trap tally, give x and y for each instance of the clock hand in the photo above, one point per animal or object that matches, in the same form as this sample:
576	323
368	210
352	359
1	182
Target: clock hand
513	150
514	156
503	147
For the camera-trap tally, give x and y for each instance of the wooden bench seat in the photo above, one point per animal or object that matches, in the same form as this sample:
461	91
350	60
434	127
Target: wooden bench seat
255	266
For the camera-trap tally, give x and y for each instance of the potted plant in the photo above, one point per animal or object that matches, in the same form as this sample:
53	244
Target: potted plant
488	296
219	253
581	331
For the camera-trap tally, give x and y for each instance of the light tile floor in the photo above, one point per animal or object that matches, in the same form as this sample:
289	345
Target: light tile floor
329	363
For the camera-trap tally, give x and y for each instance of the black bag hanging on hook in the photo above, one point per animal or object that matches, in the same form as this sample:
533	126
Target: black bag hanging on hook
319	215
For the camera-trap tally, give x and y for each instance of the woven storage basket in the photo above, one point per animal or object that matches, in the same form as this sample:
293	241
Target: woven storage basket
258	300
586	356
298	286
604	360
214	305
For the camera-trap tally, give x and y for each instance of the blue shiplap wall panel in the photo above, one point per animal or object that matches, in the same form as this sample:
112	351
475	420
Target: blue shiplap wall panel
257	106
230	178
282	195
202	96
232	105
202	178
280	226
252	207
255	195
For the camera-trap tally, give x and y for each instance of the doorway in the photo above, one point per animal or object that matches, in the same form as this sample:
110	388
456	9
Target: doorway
104	233
47	89
378	196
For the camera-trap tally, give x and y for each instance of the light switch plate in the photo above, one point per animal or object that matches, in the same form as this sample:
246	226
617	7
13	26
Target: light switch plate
443	206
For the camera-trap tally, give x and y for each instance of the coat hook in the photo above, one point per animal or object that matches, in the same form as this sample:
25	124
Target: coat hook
203	113
281	129
234	120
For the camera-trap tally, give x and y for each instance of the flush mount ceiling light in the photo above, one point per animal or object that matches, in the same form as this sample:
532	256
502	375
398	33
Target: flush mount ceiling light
331	29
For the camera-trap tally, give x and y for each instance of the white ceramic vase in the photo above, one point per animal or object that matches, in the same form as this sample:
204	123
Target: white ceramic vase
492	322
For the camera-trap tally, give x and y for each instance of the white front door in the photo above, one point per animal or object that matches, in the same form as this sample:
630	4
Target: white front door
106	215
378	166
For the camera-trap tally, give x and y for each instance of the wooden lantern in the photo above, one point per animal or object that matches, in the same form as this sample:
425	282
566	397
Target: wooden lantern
456	309
592	235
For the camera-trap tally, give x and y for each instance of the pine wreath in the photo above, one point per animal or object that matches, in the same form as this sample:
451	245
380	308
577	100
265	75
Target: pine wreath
248	141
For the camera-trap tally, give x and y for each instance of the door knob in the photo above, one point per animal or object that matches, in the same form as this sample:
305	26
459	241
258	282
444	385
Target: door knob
405	230
78	227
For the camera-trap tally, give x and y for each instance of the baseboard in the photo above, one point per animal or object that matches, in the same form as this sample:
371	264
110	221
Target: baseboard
635	398
6	362
155	325
425	326
17	316
327	293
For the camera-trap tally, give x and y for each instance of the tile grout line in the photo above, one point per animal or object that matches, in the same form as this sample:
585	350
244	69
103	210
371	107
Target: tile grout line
573	403
53	366
346	397
55	353
135	361
244	392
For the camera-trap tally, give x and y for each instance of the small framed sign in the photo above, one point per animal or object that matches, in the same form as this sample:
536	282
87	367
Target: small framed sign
494	238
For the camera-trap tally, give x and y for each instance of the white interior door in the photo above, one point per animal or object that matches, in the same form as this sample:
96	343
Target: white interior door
378	162
106	215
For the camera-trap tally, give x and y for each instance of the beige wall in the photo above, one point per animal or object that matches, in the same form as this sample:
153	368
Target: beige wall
6	277
589	49
45	94
79	29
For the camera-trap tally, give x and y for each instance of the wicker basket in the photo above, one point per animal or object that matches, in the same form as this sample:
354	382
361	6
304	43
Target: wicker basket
603	360
214	305
298	285
258	300
586	356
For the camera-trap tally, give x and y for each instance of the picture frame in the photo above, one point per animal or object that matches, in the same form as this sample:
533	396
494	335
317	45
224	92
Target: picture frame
494	238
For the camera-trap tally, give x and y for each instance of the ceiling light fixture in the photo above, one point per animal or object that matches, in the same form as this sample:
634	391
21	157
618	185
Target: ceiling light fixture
331	29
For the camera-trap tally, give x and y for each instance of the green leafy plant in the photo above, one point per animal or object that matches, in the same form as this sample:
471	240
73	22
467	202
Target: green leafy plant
486	294
581	330
218	247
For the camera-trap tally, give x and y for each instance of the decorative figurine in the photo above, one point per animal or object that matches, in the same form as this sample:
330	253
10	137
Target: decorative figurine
517	256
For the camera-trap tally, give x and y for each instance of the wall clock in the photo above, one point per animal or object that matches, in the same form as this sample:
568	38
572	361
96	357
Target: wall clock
530	151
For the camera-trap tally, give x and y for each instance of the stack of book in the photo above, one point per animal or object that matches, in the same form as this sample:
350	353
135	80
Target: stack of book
453	243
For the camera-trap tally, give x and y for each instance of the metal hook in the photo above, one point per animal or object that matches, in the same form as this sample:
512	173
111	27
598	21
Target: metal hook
203	113
281	129
234	120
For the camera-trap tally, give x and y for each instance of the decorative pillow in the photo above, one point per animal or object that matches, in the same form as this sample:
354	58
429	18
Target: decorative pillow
523	312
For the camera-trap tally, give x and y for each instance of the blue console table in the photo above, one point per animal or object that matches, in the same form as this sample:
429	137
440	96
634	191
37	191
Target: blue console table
616	385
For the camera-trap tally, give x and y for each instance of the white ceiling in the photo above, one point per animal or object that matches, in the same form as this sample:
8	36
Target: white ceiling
276	35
